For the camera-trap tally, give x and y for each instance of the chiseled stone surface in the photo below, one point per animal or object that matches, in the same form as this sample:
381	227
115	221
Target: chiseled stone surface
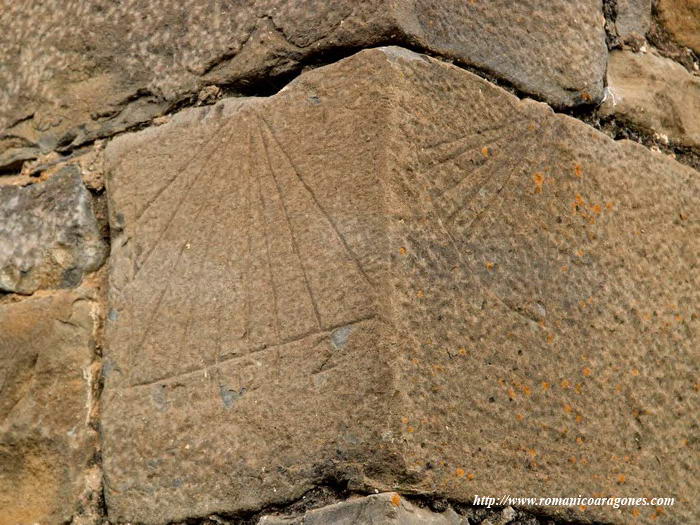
47	385
379	509
49	237
655	94
682	20
397	274
74	71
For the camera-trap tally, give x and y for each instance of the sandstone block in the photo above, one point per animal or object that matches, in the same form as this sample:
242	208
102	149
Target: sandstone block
655	94
682	20
396	274
47	385
49	237
88	70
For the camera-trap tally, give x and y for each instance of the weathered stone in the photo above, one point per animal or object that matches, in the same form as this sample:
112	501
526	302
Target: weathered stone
379	509
75	71
655	94
396	274
47	384
48	234
633	19
681	18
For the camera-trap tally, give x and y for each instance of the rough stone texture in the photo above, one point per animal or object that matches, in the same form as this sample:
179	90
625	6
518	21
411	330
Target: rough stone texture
655	94
633	19
47	384
379	509
48	234
397	274
681	18
74	71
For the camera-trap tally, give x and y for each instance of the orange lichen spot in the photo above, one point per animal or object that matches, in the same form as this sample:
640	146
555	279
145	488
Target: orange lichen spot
582	508
609	205
402	250
470	476
572	460
634	372
565	268
568	408
579	200
635	512
578	170
526	390
579	418
545	385
582	303
580	253
679	317
532	452
538	179
579	440
519	417
565	383
511	393
596	209
618	388
420	293
579	388
489	265
485	151
404	420
621	478
411	429
550	338
586	97
395	500
586	371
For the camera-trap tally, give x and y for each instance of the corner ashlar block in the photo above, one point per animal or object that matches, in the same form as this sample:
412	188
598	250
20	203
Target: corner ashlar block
396	274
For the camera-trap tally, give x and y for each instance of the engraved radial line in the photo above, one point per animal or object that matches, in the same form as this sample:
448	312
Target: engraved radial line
249	220
267	252
481	134
327	216
524	136
295	246
169	223
200	269
462	149
260	348
161	295
179	171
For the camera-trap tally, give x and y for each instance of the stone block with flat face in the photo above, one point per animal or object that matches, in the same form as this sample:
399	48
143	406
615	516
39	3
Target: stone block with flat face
49	236
74	72
396	274
48	382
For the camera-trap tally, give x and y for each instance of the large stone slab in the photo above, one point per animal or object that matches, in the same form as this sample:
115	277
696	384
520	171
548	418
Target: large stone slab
396	274
48	379
655	94
49	237
79	71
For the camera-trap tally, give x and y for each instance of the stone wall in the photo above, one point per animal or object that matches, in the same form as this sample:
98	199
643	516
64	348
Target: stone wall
354	262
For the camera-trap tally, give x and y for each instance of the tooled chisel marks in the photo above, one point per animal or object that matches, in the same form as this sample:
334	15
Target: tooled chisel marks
353	256
178	257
